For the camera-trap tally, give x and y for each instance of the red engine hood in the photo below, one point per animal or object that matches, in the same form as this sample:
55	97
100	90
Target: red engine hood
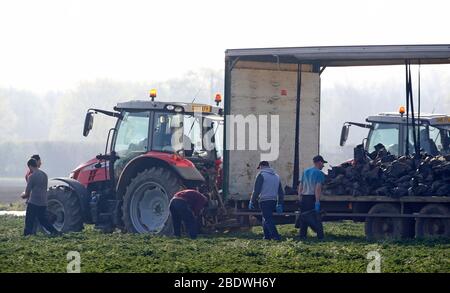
86	173
88	163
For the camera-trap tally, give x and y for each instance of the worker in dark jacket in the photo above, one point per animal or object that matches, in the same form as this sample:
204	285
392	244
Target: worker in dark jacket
186	206
269	193
309	190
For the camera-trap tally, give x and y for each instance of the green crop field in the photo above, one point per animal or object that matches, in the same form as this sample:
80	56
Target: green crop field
344	250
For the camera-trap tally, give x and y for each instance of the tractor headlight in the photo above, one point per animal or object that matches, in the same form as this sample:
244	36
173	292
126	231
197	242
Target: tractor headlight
178	109
170	107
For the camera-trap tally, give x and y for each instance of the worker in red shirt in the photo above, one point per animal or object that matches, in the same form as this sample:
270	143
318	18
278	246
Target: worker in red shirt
27	176
186	206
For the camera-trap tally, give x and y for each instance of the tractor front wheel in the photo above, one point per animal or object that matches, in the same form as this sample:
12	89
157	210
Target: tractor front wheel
146	202
64	209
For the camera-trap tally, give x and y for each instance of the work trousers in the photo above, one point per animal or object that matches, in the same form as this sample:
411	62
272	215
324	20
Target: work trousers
309	217
181	212
38	214
268	223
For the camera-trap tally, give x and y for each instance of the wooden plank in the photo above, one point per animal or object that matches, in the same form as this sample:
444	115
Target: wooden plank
370	198
374	198
350	215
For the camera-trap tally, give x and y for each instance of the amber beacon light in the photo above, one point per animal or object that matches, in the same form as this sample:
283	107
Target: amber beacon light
218	99
153	94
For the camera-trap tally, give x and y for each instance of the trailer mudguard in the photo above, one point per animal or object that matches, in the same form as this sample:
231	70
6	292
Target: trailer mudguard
80	190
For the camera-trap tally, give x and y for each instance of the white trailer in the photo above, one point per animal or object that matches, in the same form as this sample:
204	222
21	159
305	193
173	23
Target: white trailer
259	88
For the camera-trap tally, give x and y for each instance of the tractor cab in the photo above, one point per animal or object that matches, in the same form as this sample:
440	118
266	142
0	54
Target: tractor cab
186	131
392	130
183	129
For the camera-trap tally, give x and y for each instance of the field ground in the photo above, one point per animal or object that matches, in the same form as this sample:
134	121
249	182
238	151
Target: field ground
10	189
344	250
13	206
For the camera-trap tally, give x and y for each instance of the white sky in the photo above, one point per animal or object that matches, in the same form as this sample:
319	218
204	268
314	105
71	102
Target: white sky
52	45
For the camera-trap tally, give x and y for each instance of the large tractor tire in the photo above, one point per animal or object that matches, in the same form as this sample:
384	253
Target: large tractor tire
145	206
433	227
378	228
64	209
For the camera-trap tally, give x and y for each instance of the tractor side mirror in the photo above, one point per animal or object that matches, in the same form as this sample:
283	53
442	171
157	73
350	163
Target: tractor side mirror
344	134
88	123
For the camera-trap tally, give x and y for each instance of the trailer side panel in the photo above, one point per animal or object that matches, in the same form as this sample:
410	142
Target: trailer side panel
269	89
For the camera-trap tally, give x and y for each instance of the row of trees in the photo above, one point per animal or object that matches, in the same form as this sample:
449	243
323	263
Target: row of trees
51	124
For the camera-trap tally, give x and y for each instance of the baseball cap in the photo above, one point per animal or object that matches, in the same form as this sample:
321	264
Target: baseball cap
263	164
319	158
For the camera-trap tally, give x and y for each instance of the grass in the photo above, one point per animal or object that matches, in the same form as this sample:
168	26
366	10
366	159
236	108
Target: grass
344	250
15	206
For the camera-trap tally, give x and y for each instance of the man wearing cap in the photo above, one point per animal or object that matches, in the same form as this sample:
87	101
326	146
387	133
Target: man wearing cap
269	193
309	190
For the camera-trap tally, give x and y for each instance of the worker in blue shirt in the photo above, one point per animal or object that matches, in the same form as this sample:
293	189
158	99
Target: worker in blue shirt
309	190
269	193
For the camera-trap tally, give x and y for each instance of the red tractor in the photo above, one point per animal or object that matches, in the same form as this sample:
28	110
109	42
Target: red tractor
154	150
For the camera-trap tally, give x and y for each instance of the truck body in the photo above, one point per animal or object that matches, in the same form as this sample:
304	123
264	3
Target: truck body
286	82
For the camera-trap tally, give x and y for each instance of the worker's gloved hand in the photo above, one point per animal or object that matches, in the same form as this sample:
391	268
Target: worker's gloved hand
250	205
317	206
279	208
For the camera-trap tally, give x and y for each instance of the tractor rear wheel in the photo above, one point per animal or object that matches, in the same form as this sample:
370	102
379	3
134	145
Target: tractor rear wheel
146	202
64	209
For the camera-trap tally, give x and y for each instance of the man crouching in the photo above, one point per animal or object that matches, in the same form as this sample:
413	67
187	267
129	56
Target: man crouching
186	206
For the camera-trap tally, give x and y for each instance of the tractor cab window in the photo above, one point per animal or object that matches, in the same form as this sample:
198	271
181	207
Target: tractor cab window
215	136
168	132
193	134
440	137
218	134
387	134
203	132
424	138
132	135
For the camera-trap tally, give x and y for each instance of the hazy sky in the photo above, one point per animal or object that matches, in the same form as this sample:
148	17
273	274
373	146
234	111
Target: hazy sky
52	45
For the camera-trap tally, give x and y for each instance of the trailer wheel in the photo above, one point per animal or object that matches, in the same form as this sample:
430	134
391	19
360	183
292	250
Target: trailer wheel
64	210
384	228
146	202
433	227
